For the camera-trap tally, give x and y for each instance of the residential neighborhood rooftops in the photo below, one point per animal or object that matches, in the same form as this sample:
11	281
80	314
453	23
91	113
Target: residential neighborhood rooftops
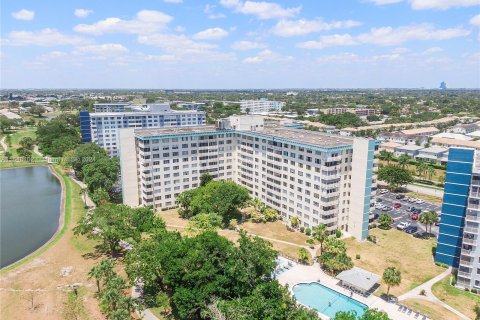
420	131
434	149
409	147
449	135
455	143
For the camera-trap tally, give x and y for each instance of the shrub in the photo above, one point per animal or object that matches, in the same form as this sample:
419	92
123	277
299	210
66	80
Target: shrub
474	291
357	256
232	224
372	239
422	292
302	229
441	264
308	231
338	233
466	289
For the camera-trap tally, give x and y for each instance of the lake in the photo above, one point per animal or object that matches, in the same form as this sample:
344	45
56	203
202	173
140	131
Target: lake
29	211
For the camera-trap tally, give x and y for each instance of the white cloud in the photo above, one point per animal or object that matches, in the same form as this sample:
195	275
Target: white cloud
329	41
247	45
442	4
387	36
210	12
430	51
173	1
82	13
289	28
475	21
24	14
45	37
211	34
145	21
102	49
262	10
266	56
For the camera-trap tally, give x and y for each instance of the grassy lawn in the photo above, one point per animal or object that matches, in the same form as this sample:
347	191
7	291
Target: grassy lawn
171	217
19	135
413	257
432	310
459	299
436	178
275	230
426	197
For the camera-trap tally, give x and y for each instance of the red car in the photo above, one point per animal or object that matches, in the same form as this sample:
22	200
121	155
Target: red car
414	216
397	205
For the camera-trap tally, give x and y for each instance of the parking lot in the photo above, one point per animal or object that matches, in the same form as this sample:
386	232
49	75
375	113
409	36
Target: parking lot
401	214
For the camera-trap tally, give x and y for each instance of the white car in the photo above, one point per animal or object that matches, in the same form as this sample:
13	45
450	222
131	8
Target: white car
378	205
419	201
403	225
383	191
412	200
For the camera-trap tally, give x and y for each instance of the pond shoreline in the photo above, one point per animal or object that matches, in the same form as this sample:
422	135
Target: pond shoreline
61	221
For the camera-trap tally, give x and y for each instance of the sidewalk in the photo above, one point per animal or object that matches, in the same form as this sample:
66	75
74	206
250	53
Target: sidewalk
89	201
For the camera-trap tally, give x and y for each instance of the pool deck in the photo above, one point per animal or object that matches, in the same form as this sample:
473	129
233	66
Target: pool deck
302	273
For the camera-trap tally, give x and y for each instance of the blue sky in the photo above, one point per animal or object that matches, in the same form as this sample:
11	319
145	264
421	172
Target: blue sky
240	44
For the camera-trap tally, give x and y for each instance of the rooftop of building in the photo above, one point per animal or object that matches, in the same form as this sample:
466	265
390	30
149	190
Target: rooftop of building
112	104
143	113
390	144
449	135
456	143
420	130
313	138
409	147
434	149
474	134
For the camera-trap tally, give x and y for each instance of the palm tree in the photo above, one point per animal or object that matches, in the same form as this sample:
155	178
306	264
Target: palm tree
431	172
403	160
83	192
392	277
334	246
385	156
422	168
102	271
320	233
424	219
433	218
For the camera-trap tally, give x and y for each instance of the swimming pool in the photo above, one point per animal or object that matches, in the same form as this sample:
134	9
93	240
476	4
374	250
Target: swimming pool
326	300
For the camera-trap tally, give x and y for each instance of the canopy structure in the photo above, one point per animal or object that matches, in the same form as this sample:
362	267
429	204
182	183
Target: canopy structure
358	279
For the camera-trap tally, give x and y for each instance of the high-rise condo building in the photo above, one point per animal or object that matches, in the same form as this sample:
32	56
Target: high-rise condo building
459	235
320	178
259	106
102	127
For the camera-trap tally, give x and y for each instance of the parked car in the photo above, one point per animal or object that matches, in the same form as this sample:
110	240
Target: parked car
419	201
411	229
417	211
397	205
386	208
421	235
414	216
412	199
410	208
378	200
383	191
400	196
403	225
378	206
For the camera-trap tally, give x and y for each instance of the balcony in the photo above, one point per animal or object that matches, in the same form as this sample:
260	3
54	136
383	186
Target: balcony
469	241
467	263
471	230
464	274
473	206
467	252
475	194
471	216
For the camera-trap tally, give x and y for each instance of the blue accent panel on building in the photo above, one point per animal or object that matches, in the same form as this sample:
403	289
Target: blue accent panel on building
85	129
457	184
453	210
368	188
456	189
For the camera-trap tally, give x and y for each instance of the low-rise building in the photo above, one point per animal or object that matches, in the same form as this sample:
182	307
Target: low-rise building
465	128
433	154
410	150
390	146
317	177
450	135
449	143
426	132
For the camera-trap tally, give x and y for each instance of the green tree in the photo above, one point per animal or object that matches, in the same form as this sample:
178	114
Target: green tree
320	233
395	176
374	314
27	143
294	221
6	124
476	309
392	278
334	257
203	222
385	221
433	218
303	255
56	136
38	110
84	154
100	197
385	155
431	172
8	155
205	179
421	168
102	173
102	272
403	160
8	140
345	315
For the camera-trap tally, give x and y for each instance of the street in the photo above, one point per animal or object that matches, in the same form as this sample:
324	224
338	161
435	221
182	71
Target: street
400	214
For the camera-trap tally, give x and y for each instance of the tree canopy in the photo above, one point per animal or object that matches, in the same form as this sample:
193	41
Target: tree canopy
395	176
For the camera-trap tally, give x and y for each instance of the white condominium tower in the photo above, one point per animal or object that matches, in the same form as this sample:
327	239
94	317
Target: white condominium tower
320	178
102	127
260	106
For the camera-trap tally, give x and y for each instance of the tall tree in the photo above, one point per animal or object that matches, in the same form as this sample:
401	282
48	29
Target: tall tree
102	173
102	272
403	160
320	233
385	156
392	277
395	176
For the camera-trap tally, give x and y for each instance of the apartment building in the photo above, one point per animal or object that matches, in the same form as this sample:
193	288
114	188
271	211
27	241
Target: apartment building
317	177
459	235
259	106
102	127
110	107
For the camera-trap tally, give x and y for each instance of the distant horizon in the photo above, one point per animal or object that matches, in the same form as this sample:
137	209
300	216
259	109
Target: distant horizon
252	89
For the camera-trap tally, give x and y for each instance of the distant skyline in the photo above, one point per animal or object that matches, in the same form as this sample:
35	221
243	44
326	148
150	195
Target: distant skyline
233	44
